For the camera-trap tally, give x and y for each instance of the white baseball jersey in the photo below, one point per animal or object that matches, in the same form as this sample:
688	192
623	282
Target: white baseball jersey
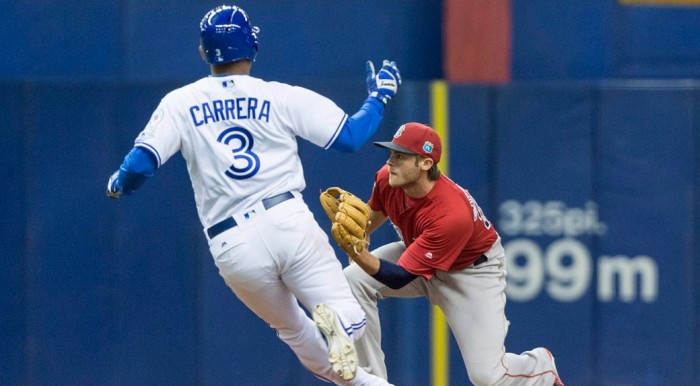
238	134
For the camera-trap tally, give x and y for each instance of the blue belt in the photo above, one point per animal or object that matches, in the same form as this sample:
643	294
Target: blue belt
224	225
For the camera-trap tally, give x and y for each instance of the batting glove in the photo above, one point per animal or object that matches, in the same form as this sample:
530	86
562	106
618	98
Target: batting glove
113	188
384	84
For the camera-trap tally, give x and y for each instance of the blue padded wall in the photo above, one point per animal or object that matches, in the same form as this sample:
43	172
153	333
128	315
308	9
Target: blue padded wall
593	187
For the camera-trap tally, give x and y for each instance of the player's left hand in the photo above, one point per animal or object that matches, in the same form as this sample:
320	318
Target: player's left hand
385	84
113	188
349	216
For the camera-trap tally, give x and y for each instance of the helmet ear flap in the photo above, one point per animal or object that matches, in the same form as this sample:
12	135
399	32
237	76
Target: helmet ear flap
227	35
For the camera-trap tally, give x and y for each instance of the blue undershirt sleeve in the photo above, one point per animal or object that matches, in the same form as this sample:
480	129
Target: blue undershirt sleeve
393	275
359	127
138	166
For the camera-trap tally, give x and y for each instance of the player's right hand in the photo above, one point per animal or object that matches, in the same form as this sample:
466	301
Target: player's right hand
113	188
384	84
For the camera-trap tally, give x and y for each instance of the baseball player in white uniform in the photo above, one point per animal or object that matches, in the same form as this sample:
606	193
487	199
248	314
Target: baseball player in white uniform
237	134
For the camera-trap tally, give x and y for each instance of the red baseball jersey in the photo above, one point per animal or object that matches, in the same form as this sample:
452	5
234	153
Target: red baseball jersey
445	230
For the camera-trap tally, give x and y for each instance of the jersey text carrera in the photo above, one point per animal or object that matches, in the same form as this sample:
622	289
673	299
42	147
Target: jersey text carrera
239	108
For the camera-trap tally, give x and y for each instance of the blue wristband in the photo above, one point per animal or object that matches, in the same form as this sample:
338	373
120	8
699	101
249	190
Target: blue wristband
393	275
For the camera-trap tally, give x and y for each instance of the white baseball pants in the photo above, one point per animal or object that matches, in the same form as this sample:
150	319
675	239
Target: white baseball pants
277	258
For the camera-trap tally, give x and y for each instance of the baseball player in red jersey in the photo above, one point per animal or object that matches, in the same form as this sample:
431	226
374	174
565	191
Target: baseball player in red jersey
450	253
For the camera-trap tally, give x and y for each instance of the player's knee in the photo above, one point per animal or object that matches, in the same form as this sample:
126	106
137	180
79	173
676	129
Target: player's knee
357	278
482	379
484	375
294	335
354	274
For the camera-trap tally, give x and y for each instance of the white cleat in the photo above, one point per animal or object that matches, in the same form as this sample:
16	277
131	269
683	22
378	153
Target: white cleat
341	349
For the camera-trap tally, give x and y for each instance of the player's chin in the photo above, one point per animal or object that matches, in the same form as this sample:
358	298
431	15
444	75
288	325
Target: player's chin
394	181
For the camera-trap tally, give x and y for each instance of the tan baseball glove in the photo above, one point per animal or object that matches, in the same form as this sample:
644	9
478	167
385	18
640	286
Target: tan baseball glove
349	217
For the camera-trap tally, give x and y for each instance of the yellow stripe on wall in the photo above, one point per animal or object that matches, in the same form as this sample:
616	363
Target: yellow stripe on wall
440	342
439	112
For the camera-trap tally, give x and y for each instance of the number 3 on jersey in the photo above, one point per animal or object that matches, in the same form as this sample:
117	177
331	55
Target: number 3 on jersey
246	162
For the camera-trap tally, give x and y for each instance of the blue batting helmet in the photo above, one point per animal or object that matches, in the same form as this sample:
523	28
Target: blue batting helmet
228	36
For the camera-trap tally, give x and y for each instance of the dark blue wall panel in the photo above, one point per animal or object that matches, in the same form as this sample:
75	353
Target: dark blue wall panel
605	39
303	41
68	339
13	289
656	41
552	41
576	177
157	40
543	156
65	40
472	117
645	182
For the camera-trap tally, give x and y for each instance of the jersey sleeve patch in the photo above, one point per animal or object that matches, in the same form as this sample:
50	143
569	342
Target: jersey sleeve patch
156	118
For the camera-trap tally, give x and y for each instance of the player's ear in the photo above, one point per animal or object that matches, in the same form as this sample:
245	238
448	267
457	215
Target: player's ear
201	53
426	163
